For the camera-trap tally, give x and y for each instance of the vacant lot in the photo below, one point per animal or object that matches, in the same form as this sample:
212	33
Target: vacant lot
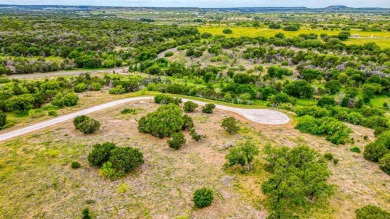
36	180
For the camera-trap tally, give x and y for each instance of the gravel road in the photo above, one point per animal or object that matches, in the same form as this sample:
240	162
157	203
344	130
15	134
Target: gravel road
262	116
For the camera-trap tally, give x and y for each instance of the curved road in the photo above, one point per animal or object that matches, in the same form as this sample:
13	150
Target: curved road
263	116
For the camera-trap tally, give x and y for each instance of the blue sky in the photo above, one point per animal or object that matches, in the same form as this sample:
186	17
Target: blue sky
207	3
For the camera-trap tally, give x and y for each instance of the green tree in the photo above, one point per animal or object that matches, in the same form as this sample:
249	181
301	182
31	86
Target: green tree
230	124
189	106
125	159
203	197
208	108
299	177
100	153
177	141
384	163
371	212
165	121
243	154
299	88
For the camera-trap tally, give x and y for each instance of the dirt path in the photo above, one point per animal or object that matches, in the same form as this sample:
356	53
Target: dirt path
262	116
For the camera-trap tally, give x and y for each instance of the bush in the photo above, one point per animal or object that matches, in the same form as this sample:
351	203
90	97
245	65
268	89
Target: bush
86	214
334	130
355	149
68	99
177	141
128	111
53	113
75	165
86	125
188	123
195	136
189	106
108	171
371	212
243	154
101	153
117	90
227	31
230	125
384	163
125	159
165	99
208	108
96	86
374	151
3	120
165	121
203	197
80	88
328	156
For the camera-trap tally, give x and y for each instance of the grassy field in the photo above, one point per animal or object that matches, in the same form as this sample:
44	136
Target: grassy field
36	180
383	38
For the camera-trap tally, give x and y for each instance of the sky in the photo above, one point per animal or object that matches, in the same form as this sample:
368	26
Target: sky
207	3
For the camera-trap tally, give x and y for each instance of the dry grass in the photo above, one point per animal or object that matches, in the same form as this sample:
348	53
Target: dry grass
37	181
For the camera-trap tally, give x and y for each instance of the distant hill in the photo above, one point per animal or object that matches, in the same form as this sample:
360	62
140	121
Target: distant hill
335	8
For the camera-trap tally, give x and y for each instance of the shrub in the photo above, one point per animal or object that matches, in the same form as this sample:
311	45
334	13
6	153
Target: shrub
314	111
227	31
371	212
108	171
53	113
188	123
165	121
75	165
86	214
165	99
328	156
299	88
374	151
203	197
101	153
195	136
80	87
335	161
128	111
230	125
384	163
96	86
177	141
125	159
117	90
87	125
68	99
189	106
334	130
355	149
243	154
3	120
208	108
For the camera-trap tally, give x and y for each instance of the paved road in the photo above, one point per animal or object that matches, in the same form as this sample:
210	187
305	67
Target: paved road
262	116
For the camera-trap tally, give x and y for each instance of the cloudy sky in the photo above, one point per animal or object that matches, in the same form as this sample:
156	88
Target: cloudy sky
207	3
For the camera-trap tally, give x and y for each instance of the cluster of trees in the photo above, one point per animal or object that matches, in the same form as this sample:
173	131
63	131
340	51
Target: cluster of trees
77	42
299	178
115	161
379	151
